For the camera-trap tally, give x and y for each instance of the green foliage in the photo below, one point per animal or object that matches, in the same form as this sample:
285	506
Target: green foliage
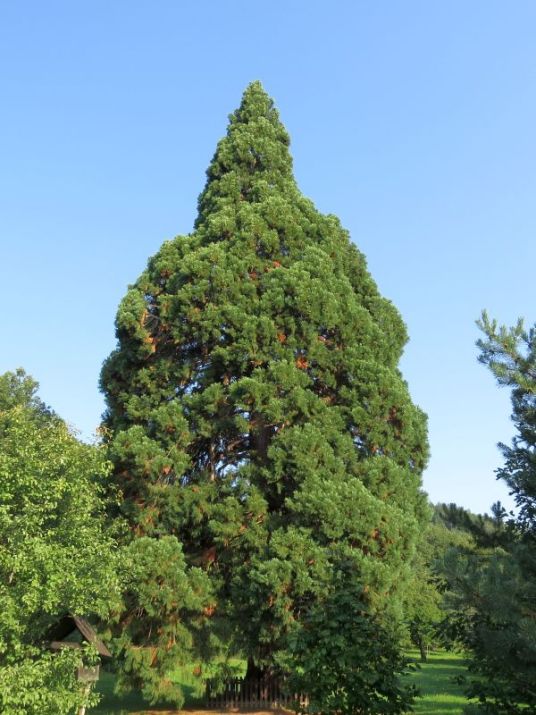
439	693
345	660
483	531
434	612
44	683
491	600
55	557
160	592
422	596
511	356
461	542
255	408
494	590
453	531
19	389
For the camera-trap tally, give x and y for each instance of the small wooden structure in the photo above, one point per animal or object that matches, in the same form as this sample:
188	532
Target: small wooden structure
69	632
68	626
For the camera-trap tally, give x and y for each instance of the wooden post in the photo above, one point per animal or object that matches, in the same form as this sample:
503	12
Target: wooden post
88	676
82	708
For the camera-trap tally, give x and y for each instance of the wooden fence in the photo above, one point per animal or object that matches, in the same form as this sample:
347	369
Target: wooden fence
267	692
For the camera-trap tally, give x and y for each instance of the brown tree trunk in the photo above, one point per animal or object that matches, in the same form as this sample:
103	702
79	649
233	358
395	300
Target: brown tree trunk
253	671
422	649
260	438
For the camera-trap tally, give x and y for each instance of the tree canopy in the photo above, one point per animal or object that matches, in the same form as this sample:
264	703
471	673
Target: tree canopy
256	411
493	589
55	555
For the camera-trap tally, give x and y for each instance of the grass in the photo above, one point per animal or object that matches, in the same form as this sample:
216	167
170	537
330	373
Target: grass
112	704
193	687
439	694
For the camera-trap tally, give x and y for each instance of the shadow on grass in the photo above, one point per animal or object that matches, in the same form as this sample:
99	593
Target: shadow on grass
435	709
113	704
440	694
443	668
187	676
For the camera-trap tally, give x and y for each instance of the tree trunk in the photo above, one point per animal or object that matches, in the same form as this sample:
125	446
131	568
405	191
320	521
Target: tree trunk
260	437
422	649
254	671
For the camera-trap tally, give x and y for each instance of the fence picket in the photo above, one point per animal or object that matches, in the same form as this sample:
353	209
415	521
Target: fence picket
267	692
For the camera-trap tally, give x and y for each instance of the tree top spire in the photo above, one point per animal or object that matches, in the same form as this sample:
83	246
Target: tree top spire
256	103
252	158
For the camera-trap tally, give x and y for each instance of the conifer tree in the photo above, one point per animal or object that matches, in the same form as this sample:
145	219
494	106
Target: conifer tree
496	592
255	406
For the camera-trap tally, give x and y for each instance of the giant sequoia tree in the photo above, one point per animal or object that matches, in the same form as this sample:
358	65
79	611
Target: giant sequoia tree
255	408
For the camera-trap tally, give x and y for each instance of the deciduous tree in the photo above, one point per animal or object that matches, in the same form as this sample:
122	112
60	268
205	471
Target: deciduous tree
55	555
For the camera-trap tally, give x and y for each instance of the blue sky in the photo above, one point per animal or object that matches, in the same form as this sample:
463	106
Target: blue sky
412	121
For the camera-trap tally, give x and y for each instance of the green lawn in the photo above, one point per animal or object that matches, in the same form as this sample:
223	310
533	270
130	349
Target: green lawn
111	704
439	695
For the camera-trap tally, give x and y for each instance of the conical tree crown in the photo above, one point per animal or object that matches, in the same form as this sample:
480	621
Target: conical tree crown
255	407
252	161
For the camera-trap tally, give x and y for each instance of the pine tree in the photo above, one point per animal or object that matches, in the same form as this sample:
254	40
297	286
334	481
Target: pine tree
497	592
255	407
510	353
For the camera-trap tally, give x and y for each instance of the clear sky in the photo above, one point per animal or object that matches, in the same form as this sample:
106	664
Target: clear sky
414	122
